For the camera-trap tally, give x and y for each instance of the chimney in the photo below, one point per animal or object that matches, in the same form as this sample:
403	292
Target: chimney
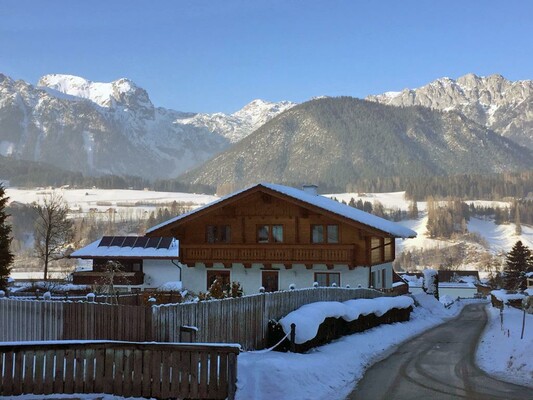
310	189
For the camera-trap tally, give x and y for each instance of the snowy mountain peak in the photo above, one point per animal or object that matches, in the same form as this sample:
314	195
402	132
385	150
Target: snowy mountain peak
499	104
241	123
106	94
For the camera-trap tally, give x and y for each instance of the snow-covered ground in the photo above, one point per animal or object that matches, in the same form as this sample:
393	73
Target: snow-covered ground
102	199
501	352
331	371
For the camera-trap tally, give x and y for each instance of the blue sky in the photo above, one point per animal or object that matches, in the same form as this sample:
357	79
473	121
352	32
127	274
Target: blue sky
219	55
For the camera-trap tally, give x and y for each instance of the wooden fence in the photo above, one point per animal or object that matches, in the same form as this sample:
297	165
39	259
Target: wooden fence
155	370
242	320
28	320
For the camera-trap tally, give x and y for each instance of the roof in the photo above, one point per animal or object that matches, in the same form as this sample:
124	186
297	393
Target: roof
321	202
458	276
130	247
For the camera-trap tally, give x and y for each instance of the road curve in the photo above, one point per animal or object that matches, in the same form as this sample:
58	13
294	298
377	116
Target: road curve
438	365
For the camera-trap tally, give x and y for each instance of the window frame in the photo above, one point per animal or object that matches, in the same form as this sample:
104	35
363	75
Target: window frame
219	233
270	231
328	275
325	233
211	275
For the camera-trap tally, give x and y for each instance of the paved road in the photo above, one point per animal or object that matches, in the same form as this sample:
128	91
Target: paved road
438	365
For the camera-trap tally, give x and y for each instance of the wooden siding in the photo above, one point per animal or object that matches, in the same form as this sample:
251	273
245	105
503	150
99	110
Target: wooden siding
270	254
257	209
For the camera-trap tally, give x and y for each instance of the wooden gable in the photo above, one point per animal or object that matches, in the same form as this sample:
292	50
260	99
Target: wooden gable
237	220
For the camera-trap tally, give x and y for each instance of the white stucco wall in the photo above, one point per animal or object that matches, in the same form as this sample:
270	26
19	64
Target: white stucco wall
158	272
388	274
195	278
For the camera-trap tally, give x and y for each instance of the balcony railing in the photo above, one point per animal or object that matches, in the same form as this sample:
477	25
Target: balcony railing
269	253
102	278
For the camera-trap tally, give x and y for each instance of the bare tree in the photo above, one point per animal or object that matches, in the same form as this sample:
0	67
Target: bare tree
53	230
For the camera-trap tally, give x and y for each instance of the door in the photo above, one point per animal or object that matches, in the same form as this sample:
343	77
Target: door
270	280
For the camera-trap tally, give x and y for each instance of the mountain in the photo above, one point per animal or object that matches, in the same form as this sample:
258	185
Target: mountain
240	124
336	141
493	101
113	128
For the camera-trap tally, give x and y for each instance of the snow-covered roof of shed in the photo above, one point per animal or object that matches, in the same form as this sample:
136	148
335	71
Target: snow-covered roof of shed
319	201
109	249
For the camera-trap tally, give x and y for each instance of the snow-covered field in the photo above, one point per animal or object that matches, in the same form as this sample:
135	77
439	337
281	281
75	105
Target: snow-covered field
102	199
499	237
501	352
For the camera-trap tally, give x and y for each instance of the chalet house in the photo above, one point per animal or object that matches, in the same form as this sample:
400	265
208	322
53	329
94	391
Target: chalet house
272	236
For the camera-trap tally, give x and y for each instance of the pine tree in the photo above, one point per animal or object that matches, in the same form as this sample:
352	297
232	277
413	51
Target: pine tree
518	261
6	257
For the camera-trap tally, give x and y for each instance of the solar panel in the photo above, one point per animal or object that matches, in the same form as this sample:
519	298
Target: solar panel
141	241
117	241
153	242
165	243
106	241
129	241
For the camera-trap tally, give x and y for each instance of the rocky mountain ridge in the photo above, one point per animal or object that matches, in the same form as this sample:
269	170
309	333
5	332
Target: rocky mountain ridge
113	128
499	104
336	141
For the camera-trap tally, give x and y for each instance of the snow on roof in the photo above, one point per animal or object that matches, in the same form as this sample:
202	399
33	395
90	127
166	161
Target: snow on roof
95	250
322	202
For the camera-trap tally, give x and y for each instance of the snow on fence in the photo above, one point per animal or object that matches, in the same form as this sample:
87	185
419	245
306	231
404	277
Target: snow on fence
241	320
151	370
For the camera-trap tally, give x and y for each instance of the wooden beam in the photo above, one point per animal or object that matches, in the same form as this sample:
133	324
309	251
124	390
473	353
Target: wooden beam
330	266
191	265
247	265
287	266
208	265
227	265
351	267
309	266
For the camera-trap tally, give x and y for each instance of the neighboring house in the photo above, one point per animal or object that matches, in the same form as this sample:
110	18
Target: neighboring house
464	284
529	277
458	283
273	236
144	262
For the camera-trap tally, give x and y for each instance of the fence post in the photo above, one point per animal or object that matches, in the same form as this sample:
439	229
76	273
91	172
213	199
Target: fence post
293	338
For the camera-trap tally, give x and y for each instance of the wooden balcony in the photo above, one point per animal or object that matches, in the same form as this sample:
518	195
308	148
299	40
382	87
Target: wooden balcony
269	254
100	278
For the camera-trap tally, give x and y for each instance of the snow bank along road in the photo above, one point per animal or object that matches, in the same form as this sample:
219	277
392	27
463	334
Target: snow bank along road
438	364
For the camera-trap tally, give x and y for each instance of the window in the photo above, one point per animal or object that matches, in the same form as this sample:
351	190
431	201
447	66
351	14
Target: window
218	233
270	234
328	278
218	274
379	279
317	234
381	250
270	280
333	233
375	250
